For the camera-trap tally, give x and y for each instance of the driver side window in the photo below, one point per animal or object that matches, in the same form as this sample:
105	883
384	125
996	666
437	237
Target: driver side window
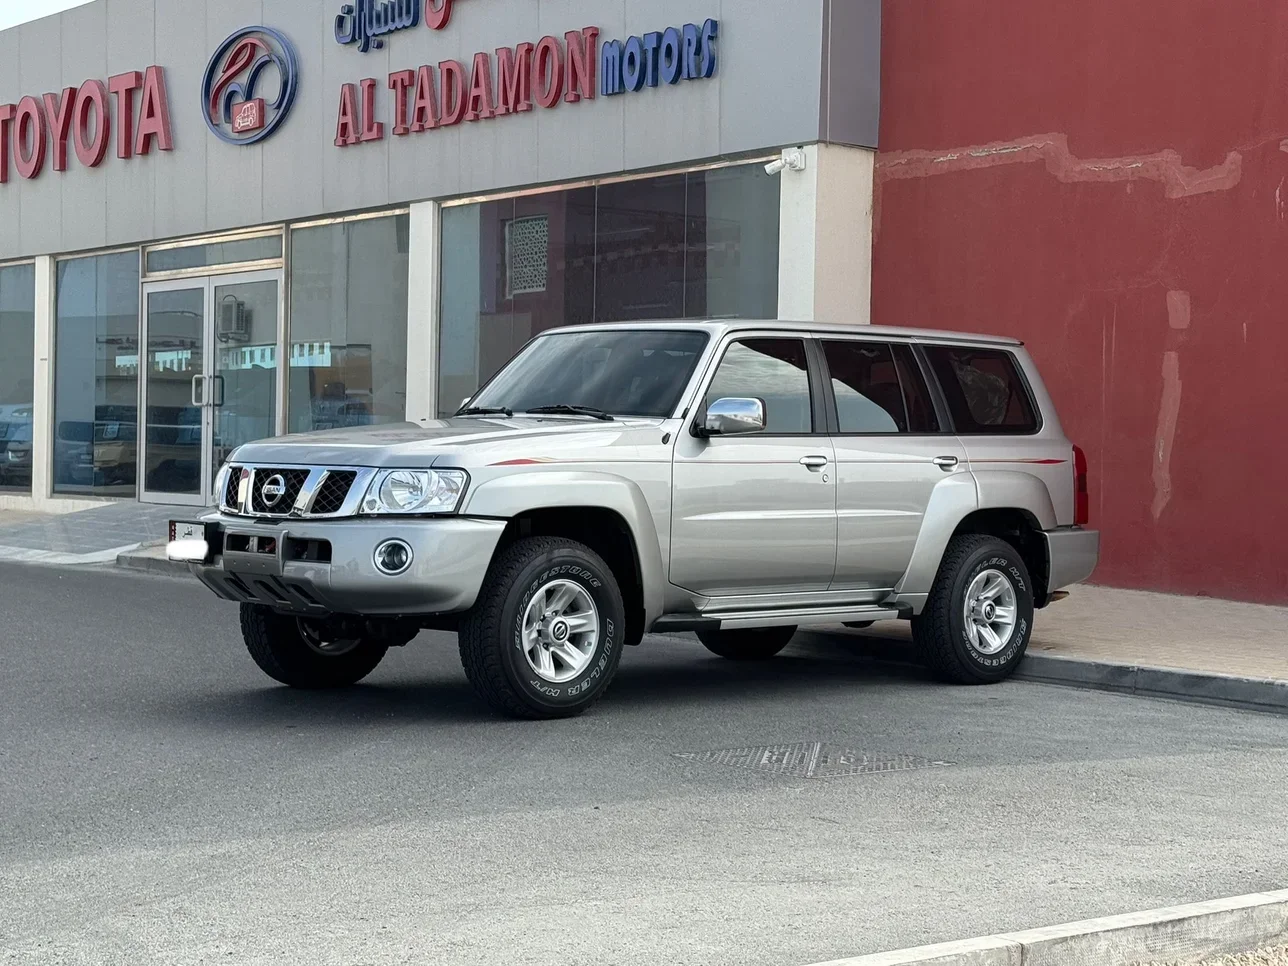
773	370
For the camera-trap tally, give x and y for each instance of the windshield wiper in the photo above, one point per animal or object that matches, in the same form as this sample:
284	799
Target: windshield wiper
485	411
590	411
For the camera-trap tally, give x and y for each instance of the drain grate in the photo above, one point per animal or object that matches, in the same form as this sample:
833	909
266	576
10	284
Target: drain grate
810	759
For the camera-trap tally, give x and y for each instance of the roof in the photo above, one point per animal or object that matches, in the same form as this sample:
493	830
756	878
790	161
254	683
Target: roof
721	326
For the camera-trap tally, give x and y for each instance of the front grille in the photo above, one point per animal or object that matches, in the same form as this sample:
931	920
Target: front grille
333	491
233	488
294	480
318	491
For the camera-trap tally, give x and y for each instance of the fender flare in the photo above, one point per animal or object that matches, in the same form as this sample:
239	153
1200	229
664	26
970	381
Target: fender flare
952	499
1016	490
509	496
956	498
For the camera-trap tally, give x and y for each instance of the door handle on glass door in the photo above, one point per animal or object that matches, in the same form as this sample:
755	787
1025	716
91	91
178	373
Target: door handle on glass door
198	390
219	391
945	462
814	462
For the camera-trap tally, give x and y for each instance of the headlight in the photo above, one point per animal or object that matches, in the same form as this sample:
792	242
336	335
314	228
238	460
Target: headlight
221	484
415	491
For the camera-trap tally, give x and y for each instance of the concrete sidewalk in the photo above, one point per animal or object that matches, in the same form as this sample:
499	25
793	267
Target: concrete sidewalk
1196	648
1202	634
88	536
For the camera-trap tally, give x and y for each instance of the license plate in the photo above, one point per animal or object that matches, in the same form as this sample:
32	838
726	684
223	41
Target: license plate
186	530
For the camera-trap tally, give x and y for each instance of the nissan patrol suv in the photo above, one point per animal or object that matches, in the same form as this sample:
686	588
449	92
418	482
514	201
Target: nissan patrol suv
733	479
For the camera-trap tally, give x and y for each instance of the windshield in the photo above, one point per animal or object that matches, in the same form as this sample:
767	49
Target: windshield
639	372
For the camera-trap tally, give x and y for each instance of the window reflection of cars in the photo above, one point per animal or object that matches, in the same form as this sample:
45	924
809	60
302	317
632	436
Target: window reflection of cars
340	414
174	448
99	453
15	444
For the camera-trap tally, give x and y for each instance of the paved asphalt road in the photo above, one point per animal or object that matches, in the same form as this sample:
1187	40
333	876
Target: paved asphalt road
164	803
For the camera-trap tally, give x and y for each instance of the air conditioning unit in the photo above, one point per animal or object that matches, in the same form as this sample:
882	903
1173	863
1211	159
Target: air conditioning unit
233	321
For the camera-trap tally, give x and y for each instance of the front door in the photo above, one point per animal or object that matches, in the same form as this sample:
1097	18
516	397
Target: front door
210	382
755	515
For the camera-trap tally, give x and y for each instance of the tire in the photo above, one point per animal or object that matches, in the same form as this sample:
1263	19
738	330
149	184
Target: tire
293	652
759	644
970	568
513	650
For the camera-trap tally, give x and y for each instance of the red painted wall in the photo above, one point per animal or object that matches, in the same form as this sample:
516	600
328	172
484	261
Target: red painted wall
1109	182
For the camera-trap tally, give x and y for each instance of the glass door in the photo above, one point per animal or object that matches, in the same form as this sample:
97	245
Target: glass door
171	464
243	374
210	382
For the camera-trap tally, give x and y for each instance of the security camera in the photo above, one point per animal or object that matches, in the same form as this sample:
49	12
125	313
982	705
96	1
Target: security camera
792	160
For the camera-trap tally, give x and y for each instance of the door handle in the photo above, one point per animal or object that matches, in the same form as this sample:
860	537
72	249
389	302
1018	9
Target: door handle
945	462
814	462
219	391
198	390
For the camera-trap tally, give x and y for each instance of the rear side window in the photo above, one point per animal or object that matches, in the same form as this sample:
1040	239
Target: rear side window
878	389
985	392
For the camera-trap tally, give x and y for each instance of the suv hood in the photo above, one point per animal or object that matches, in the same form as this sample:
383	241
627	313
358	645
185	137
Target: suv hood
412	445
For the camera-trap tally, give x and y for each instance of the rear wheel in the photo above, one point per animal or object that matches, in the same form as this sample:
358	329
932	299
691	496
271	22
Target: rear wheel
311	653
979	615
545	637
758	644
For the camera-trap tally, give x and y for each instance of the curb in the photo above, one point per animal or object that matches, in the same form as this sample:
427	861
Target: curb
1189	933
146	560
1222	690
1204	688
53	558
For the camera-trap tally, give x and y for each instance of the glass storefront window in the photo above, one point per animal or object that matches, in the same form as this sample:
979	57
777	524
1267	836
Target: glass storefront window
347	349
686	246
96	375
17	351
259	249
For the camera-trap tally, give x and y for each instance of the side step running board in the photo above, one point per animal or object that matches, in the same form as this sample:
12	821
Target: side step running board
803	617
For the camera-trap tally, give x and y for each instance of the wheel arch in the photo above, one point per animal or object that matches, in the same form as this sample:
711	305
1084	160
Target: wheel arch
1012	506
609	515
1023	531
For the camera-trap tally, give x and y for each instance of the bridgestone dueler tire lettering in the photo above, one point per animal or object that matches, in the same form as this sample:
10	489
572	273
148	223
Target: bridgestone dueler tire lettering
759	644
275	644
490	636
940	630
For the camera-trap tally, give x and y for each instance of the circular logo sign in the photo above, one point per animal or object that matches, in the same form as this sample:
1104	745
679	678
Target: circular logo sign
249	85
273	490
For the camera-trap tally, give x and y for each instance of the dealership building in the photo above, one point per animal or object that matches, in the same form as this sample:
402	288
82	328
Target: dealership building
254	216
223	221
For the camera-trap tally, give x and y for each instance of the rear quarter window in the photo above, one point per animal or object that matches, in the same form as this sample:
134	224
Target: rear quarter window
984	389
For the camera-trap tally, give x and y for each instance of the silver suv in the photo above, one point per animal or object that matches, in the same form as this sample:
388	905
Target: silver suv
734	479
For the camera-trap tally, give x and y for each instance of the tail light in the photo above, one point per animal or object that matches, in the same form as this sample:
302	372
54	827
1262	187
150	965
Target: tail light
1081	493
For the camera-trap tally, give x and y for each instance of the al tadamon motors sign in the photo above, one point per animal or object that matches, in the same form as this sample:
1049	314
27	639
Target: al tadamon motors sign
570	69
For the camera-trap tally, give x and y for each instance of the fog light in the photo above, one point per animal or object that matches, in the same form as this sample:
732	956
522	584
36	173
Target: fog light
393	557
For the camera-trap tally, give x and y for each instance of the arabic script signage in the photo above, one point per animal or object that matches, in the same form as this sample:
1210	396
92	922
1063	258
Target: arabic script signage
365	22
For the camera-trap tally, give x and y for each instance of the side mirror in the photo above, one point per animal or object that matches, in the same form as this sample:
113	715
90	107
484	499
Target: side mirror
465	402
733	416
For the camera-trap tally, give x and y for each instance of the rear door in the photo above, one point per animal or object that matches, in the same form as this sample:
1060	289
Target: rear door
755	514
891	453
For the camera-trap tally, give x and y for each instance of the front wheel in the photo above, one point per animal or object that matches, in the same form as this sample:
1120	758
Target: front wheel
979	615
545	636
759	644
310	653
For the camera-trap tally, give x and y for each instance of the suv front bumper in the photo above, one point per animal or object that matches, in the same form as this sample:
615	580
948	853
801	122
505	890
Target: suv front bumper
1072	555
328	567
